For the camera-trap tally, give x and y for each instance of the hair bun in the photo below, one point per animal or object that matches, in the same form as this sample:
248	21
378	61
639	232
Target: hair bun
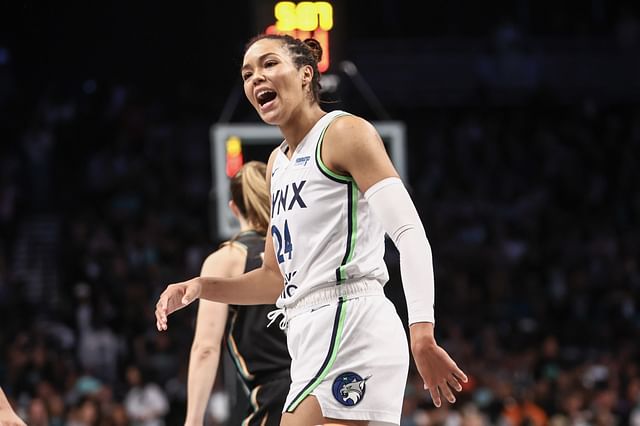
315	47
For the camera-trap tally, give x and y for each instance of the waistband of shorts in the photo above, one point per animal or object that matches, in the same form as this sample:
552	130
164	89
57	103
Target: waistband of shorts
349	289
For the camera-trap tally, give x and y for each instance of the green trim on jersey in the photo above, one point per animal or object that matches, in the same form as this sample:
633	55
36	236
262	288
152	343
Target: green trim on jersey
352	208
323	167
352	204
336	337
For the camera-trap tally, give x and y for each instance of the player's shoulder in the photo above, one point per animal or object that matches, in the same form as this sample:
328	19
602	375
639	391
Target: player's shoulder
355	129
272	157
274	152
272	160
346	120
229	255
350	125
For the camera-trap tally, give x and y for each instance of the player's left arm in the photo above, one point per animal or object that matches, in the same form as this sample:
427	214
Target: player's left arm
352	146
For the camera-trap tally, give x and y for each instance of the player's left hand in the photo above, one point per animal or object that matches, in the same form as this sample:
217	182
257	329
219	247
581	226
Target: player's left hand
440	374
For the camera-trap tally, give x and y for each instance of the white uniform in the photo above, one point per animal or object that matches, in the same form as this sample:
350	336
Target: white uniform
347	343
322	229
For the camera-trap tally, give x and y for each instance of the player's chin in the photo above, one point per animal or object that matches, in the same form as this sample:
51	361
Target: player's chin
270	111
269	117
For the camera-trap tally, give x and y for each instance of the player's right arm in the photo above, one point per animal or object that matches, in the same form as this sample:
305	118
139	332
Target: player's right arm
204	358
261	286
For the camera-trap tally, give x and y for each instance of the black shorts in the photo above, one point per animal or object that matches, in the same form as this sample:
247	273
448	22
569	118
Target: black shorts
266	407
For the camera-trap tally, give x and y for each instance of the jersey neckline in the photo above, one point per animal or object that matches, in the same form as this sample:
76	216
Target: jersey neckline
284	147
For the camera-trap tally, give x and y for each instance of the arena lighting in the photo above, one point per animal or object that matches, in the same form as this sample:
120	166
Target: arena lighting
234	158
303	20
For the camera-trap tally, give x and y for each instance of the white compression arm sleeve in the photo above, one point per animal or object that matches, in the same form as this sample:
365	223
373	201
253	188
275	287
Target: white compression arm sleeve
392	205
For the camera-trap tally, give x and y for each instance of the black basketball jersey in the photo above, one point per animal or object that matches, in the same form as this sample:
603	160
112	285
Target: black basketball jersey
259	353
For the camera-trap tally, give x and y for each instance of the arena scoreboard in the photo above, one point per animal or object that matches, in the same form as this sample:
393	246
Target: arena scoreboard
317	19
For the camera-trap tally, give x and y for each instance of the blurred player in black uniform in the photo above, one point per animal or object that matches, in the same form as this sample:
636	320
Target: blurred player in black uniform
259	353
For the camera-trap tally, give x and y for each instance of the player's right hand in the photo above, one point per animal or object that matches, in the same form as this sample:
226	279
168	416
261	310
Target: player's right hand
175	297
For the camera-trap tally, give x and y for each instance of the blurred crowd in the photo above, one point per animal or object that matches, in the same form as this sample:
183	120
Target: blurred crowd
533	215
532	212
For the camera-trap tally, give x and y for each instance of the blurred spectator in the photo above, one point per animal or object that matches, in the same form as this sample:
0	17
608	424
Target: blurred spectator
37	414
85	413
146	403
523	410
99	349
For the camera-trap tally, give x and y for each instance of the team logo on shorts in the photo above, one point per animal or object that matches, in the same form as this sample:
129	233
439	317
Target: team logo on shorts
348	388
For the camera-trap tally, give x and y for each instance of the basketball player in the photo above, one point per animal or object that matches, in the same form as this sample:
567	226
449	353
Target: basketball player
259	353
334	193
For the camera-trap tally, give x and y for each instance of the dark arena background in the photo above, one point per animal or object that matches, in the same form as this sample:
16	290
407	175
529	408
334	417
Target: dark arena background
521	123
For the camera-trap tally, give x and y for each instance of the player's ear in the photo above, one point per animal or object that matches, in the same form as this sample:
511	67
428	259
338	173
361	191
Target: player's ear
307	74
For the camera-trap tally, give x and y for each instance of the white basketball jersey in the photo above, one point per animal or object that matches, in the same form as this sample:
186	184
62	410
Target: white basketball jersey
322	228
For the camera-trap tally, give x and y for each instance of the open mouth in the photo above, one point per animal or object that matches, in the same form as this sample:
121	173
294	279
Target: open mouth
265	96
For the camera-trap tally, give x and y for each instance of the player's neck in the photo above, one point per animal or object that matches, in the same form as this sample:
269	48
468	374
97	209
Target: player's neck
300	125
245	225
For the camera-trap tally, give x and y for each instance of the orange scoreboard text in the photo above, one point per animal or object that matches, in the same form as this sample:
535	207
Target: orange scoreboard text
303	20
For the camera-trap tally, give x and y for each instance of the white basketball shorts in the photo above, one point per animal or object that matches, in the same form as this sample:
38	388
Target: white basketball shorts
349	350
